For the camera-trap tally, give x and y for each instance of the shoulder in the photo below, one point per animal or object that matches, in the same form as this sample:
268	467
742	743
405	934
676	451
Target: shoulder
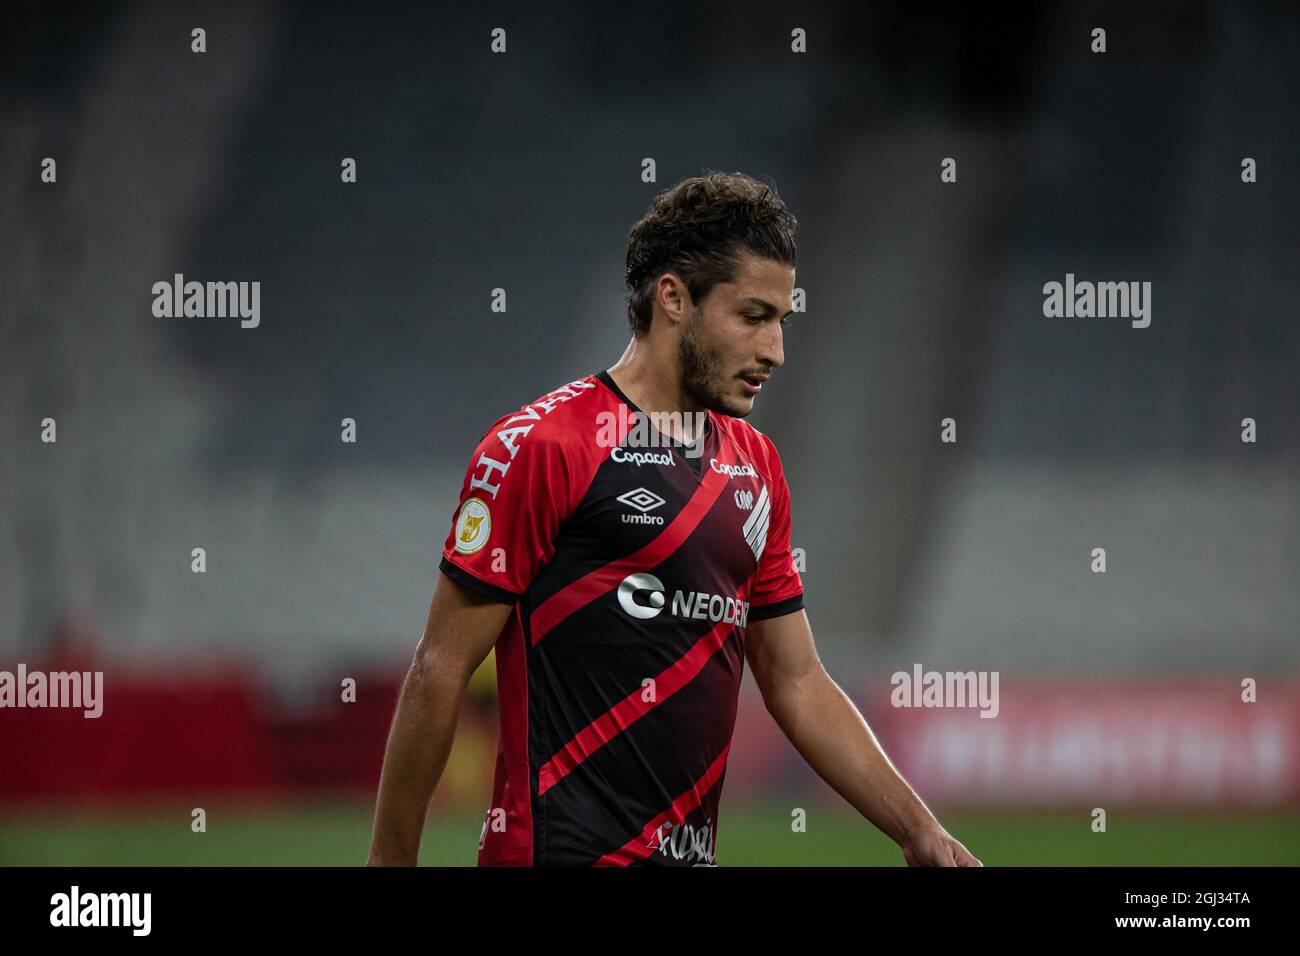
752	443
555	415
565	417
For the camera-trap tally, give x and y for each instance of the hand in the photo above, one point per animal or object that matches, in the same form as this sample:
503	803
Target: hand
935	846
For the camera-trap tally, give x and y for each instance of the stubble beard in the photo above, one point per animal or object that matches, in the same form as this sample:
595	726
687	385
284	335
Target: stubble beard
702	371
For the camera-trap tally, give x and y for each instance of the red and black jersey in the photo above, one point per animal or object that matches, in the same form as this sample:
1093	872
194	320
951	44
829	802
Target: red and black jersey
633	566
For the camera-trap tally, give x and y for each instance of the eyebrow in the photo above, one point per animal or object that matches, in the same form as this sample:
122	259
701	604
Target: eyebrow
767	307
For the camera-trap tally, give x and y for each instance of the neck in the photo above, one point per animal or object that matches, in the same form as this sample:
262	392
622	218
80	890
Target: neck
651	380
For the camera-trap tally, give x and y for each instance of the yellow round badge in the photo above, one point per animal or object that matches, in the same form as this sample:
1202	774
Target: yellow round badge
473	525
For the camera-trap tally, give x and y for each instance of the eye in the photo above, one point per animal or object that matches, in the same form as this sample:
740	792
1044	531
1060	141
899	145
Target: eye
753	318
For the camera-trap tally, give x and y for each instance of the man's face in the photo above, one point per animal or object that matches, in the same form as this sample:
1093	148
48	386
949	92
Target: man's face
732	341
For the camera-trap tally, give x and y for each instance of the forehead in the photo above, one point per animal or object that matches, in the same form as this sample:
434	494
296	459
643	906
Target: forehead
766	278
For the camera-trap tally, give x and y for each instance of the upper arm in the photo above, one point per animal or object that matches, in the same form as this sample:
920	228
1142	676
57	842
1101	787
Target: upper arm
515	495
781	653
512	501
462	627
778	588
778	638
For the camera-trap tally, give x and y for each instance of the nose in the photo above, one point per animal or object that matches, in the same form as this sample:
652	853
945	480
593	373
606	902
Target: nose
771	349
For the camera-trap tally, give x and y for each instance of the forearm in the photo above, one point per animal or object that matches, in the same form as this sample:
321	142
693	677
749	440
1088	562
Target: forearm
832	736
419	743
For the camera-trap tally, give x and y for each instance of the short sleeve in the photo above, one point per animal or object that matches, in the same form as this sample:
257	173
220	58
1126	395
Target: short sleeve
511	504
778	589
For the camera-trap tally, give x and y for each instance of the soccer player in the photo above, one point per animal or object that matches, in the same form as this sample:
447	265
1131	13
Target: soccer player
624	544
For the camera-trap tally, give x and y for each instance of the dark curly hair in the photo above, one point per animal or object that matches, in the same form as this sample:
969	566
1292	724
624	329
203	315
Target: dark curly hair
696	229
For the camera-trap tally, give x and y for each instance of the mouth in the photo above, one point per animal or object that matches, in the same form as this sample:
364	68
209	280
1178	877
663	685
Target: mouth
753	384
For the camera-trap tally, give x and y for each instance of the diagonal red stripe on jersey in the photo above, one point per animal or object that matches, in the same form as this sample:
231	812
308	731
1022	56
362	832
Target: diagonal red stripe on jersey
604	579
637	848
631	708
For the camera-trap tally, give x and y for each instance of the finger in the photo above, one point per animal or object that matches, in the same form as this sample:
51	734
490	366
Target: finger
965	857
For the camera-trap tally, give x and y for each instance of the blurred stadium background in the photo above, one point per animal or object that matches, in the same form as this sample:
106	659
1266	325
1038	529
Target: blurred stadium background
1118	690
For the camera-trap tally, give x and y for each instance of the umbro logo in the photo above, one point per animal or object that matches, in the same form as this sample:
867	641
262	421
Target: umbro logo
643	500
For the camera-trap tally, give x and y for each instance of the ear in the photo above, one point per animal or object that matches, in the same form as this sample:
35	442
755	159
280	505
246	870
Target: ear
673	298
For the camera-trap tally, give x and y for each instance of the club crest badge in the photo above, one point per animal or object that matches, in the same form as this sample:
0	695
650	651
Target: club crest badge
473	525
